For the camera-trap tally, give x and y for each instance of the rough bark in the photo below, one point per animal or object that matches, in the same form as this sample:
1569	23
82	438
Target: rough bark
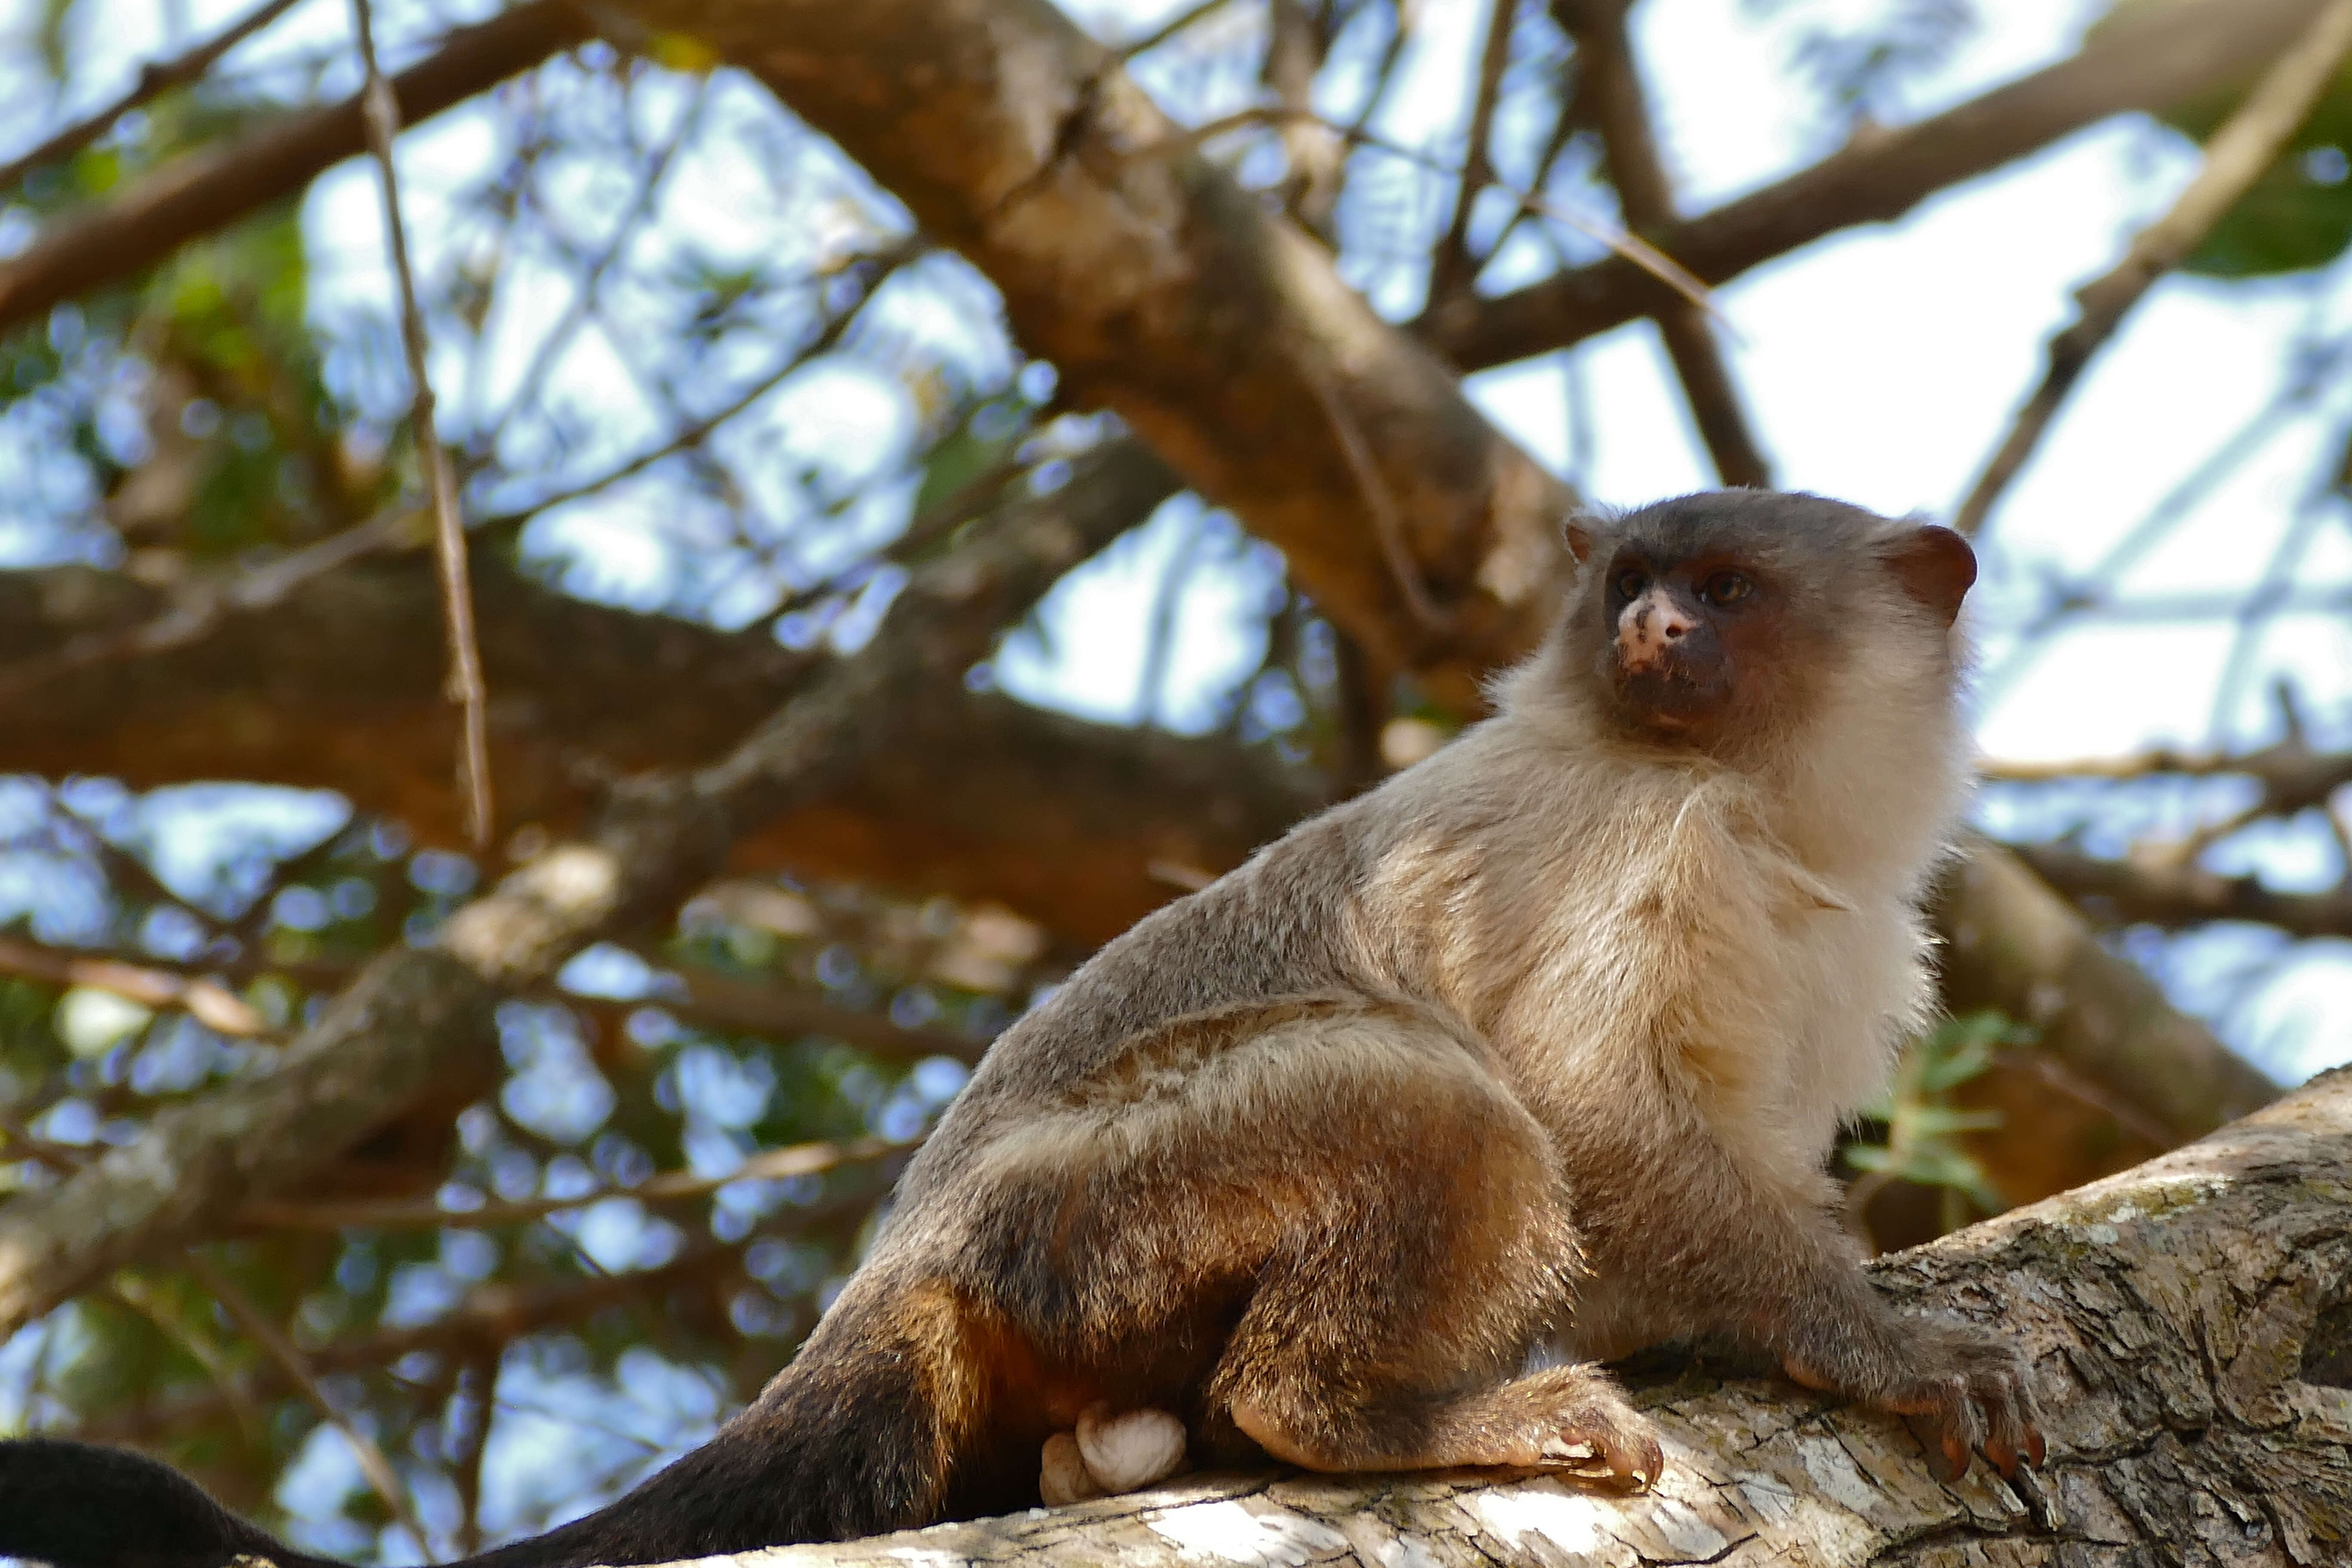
2191	1326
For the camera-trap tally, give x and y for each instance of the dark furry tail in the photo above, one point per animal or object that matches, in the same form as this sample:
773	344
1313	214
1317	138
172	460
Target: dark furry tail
79	1506
861	1434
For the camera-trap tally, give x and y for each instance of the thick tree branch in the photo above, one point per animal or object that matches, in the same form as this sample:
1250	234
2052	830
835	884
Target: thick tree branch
2167	893
2190	1322
418	1025
1161	289
2012	944
119	238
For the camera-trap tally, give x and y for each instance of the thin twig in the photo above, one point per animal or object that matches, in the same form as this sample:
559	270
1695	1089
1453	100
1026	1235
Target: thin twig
887	261
207	1000
1449	268
584	300
155	78
466	690
136	1294
1610	81
1632	248
296	1368
2246	146
482	1371
775	1165
2278	574
2312	376
1388	523
1359	130
1170	29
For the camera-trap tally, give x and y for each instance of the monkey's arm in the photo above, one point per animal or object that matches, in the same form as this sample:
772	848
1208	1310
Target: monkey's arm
1708	1249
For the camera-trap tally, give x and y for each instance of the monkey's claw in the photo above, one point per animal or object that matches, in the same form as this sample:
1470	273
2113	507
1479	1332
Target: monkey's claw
1584	1427
1979	1398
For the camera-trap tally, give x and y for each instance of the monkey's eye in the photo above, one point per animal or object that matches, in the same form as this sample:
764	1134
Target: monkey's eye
1633	582
1726	588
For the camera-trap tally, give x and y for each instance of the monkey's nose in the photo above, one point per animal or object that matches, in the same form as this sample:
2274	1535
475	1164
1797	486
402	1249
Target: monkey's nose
1648	627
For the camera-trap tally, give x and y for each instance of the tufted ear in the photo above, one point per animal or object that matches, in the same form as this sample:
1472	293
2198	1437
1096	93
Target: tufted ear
1576	532
1936	567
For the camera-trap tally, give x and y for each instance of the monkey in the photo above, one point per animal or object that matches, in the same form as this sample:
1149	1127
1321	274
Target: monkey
1364	1156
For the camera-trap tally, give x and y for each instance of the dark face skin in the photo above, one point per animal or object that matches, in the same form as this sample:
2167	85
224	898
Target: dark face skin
1715	617
1684	633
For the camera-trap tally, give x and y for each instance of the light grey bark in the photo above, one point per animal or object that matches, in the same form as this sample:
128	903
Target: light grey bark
2190	1325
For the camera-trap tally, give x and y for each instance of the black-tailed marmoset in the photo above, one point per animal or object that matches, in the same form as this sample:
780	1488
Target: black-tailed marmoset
1544	1041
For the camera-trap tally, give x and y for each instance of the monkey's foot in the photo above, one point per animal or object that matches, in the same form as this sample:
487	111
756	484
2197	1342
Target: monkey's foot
1964	1391
1109	1453
1566	1418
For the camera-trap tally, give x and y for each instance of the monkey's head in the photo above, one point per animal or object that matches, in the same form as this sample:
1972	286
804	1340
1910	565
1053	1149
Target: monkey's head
1725	621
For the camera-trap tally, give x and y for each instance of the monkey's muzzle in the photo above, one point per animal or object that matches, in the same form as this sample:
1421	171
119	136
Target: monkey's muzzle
1672	668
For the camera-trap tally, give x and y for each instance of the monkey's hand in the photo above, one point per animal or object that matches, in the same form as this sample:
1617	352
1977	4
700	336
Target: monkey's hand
1972	1389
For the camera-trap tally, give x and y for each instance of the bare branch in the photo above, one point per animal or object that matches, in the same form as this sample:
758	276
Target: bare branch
2161	890
119	238
1450	272
419	1022
466	688
2012	944
1609	84
2156	56
2249	142
155	78
206	1000
297	1367
669	1187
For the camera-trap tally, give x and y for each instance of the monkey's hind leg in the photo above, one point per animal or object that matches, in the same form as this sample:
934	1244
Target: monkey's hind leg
1405	1282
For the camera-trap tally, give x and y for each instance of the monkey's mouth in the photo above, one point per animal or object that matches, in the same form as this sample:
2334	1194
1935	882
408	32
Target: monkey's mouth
1674	695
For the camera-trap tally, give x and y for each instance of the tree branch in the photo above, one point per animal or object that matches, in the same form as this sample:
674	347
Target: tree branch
2249	142
1609	89
2165	892
2012	944
418	1024
2190	1322
1161	289
111	241
2158	56
155	78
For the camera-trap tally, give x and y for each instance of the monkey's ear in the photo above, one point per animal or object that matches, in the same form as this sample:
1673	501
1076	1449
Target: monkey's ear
1576	532
1936	567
